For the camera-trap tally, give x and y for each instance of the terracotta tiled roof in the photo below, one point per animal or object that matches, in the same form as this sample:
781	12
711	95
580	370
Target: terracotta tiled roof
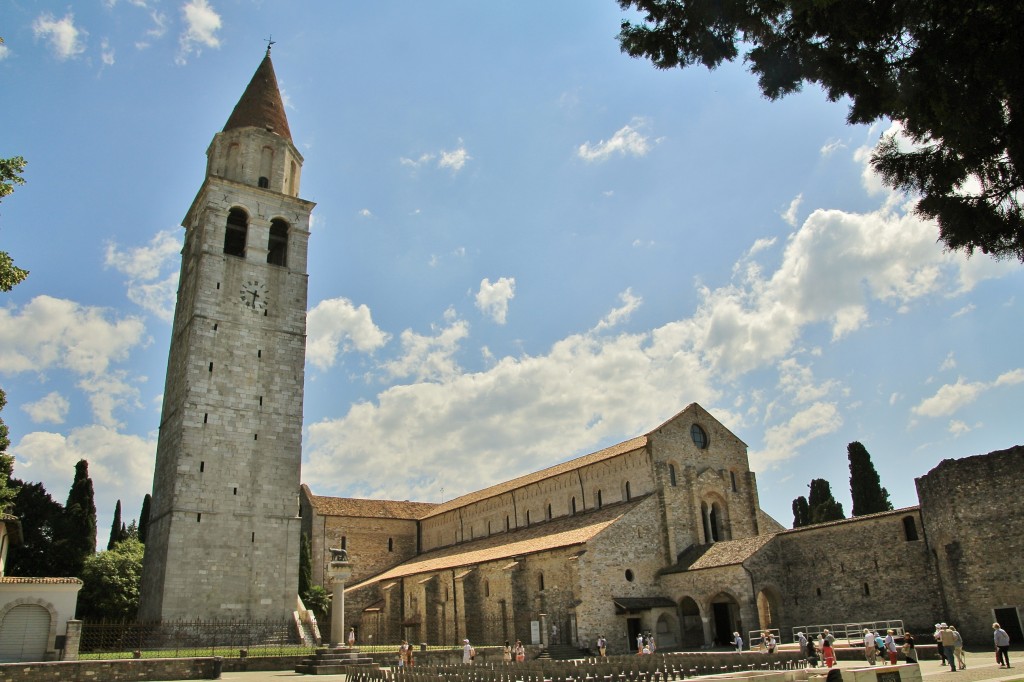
550	472
372	509
562	532
724	553
9	580
261	105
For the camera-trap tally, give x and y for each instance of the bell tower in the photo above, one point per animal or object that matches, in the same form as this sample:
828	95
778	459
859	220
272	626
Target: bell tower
223	539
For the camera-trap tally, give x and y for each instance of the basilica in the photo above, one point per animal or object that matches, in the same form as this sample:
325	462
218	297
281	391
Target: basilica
661	533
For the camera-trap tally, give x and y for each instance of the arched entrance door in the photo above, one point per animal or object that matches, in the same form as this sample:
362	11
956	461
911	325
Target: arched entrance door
667	631
725	618
24	633
692	628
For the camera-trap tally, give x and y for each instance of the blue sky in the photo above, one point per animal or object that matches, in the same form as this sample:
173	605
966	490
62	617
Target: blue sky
527	246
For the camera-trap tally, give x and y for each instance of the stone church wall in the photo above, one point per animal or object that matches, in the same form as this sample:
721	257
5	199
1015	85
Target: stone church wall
973	511
864	569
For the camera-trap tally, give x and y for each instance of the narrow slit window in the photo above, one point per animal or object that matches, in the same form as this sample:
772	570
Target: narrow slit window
199	517
202	467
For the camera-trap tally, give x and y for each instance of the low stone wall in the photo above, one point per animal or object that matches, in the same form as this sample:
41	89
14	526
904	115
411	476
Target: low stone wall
121	670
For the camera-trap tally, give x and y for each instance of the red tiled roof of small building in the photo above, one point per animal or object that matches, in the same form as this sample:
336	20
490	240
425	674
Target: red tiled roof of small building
15	580
371	509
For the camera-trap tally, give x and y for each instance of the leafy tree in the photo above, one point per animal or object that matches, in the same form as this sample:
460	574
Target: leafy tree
147	501
41	520
866	489
318	601
79	527
10	175
823	506
131	531
7	492
305	566
801	512
111	583
949	72
116	527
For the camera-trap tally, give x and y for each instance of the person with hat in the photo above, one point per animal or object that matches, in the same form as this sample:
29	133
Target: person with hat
468	652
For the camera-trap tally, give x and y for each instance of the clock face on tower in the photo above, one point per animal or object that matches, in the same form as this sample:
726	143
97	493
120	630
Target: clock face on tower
254	295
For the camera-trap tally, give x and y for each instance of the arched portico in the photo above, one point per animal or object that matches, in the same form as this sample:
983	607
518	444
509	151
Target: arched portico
768	603
691	626
724	619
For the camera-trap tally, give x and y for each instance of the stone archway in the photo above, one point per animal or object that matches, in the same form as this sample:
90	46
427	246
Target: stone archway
768	604
725	618
691	635
666	631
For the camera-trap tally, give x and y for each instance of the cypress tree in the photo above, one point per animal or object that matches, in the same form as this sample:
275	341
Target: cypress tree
144	518
869	497
801	512
823	506
305	566
79	533
115	527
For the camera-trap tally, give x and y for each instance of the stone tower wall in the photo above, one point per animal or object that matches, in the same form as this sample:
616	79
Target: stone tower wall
973	515
224	535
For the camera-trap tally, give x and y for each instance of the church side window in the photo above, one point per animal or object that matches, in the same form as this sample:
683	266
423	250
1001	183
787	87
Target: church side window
672	475
909	528
236	233
277	244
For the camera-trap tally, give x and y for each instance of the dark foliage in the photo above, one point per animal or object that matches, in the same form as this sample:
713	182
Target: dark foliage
869	497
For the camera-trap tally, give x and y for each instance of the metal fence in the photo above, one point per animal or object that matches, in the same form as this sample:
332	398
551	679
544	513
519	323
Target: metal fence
175	639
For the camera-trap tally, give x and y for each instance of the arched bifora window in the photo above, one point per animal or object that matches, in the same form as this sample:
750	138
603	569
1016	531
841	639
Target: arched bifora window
236	233
277	244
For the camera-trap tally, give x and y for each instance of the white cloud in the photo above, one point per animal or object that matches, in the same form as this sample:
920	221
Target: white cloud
106	53
454	159
492	299
958	428
831	147
66	40
365	213
430	358
335	326
201	25
152	272
621	314
53	333
627	140
949	362
50	409
790	214
951	397
783	440
5	52
418	162
108	392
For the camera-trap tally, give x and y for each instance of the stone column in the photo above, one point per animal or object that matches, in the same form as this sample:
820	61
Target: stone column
339	572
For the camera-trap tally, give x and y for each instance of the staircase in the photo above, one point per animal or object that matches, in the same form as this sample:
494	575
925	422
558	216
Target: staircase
332	661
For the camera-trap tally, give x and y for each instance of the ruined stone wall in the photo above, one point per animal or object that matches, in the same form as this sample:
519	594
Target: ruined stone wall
973	516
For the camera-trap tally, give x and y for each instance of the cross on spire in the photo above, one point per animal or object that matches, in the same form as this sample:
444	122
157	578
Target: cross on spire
270	43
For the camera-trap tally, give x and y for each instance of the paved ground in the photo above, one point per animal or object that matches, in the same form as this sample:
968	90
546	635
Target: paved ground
980	666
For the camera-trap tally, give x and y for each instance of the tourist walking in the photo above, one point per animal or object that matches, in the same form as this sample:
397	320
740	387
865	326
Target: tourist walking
869	647
812	652
351	637
827	652
770	643
948	641
521	651
958	649
468	652
602	646
1002	642
506	652
938	641
737	641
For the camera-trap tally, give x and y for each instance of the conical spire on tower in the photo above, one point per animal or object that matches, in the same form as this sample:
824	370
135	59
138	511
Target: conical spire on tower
261	105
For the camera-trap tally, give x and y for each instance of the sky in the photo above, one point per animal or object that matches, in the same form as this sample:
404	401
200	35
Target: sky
527	246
